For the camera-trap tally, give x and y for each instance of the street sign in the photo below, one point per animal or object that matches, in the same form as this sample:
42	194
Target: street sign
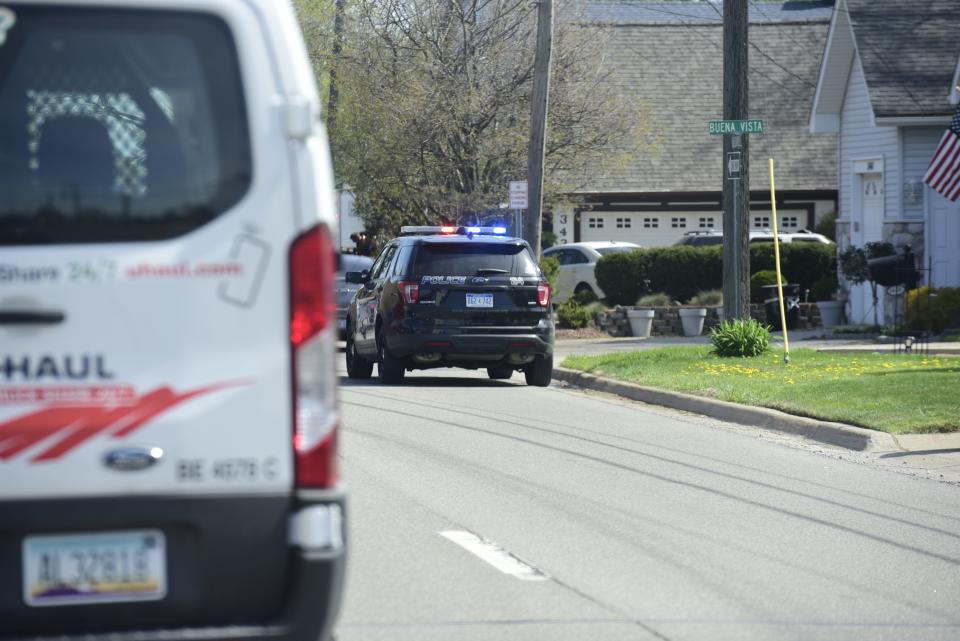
733	165
730	127
518	194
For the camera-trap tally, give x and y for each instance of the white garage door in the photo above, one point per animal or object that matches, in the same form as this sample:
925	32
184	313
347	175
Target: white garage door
647	229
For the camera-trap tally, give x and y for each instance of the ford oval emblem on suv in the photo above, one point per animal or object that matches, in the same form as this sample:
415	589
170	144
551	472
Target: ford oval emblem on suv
131	459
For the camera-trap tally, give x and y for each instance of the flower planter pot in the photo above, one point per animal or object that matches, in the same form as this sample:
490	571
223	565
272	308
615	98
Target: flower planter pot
641	320
692	320
831	312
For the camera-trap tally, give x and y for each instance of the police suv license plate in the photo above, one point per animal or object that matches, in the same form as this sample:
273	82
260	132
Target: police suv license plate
108	567
479	300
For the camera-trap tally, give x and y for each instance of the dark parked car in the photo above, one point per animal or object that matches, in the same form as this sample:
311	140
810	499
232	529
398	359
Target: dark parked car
345	290
461	297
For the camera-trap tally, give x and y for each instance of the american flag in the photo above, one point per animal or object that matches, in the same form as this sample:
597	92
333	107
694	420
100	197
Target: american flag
944	171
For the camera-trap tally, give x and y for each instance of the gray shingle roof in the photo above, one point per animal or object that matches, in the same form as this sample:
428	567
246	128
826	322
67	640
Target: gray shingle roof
909	52
677	70
633	12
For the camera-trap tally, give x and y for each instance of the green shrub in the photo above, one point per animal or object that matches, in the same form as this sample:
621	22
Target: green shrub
595	307
828	226
585	296
825	288
547	240
806	263
618	275
551	271
800	263
682	271
740	338
757	282
654	300
935	310
573	315
709	298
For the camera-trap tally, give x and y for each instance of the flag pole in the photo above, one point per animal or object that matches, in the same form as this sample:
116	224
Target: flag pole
776	259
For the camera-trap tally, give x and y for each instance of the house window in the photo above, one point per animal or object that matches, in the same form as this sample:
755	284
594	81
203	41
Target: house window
651	223
761	222
595	223
789	221
679	222
706	222
623	223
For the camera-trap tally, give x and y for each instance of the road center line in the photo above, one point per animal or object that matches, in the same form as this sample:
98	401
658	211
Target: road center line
494	555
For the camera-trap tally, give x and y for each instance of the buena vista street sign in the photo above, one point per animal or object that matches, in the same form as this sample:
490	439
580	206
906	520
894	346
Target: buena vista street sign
735	127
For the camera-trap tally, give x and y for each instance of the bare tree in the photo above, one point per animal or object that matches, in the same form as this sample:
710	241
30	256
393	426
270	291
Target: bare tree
433	106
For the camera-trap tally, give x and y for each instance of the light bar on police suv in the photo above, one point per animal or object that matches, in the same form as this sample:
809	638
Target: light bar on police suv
462	231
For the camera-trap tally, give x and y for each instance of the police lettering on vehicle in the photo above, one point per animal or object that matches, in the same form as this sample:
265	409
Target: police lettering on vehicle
444	280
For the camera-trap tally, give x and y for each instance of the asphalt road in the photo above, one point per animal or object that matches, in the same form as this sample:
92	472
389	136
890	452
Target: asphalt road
493	510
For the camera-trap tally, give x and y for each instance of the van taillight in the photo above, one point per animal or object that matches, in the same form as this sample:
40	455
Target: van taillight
312	341
543	294
410	290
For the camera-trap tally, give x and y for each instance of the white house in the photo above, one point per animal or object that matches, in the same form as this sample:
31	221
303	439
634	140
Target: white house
887	86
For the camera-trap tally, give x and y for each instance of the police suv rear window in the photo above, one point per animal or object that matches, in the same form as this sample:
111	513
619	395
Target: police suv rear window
117	125
472	258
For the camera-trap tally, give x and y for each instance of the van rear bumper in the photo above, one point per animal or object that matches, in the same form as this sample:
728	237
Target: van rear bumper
303	606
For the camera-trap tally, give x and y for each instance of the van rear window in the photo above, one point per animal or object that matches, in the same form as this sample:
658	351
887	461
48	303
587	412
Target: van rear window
470	259
117	125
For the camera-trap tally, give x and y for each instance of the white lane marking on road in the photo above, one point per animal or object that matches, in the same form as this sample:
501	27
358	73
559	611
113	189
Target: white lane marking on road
494	555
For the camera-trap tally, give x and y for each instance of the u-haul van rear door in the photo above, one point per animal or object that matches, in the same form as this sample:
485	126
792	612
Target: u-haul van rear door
143	280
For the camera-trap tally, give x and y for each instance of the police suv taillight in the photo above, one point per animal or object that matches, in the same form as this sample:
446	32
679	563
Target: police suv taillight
543	294
312	341
410	290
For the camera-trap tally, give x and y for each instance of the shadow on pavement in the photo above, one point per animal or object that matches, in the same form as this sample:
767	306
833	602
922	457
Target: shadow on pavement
433	381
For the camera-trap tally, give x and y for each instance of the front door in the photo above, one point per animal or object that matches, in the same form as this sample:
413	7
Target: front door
944	235
870	219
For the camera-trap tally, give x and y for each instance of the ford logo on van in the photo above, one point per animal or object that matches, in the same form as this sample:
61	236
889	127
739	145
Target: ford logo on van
131	459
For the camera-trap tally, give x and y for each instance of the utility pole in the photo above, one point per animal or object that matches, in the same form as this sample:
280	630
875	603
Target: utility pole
538	123
736	175
334	96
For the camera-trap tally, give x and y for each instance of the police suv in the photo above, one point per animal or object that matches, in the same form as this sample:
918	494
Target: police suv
168	408
465	297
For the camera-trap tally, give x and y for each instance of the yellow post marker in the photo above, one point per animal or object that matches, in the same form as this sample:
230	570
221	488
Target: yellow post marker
776	260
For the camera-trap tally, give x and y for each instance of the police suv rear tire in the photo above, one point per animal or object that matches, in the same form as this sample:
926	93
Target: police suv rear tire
540	371
499	373
357	366
390	369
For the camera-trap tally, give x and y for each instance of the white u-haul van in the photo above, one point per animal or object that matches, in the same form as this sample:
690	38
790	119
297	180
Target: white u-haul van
168	407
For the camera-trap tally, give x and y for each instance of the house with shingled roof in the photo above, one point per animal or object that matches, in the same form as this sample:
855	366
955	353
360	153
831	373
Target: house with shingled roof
888	88
669	55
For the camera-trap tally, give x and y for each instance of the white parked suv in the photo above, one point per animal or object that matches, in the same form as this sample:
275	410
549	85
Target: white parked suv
711	237
577	264
168	407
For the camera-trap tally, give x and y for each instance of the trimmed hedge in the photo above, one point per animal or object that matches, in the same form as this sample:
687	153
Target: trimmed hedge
619	276
682	271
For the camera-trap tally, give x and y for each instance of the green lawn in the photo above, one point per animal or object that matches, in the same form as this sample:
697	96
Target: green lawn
892	393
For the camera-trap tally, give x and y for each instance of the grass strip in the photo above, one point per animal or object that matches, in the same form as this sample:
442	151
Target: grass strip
892	393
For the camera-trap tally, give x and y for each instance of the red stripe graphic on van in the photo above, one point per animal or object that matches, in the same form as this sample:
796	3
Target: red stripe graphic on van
76	424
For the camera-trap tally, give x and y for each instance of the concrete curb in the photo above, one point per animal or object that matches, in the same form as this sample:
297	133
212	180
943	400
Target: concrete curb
846	436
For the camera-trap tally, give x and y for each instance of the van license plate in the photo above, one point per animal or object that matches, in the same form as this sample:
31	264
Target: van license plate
109	567
479	300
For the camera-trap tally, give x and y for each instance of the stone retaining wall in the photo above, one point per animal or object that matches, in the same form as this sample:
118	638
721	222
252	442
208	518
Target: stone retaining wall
666	320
